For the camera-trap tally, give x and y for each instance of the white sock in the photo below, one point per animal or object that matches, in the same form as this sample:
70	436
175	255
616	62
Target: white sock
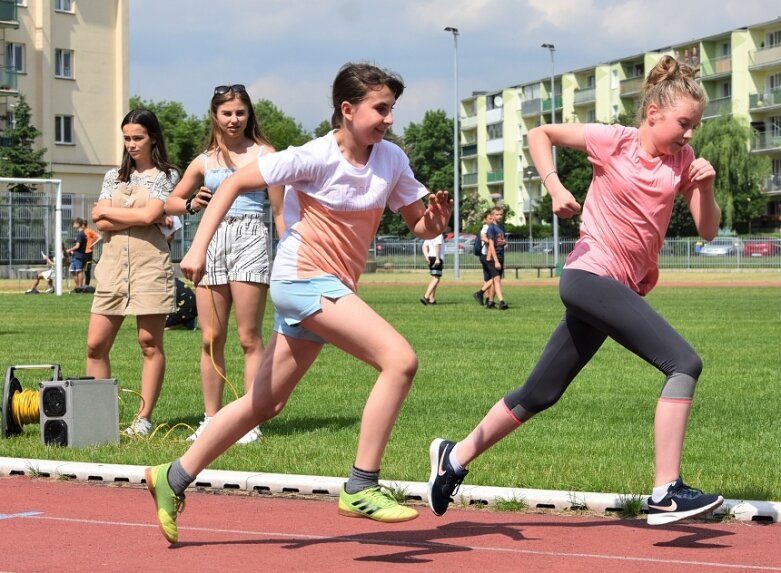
660	491
457	467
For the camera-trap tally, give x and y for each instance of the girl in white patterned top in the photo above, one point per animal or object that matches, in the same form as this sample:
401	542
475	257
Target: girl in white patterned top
134	275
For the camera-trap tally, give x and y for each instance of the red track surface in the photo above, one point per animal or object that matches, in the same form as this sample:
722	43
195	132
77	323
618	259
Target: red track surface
48	525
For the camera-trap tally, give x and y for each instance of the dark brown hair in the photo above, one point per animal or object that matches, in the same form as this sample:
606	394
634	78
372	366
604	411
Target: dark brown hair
354	81
148	120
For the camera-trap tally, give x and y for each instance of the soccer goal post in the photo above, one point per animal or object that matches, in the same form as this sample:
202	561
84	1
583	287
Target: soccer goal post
57	222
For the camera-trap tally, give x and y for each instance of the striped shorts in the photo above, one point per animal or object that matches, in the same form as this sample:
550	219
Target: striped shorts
238	252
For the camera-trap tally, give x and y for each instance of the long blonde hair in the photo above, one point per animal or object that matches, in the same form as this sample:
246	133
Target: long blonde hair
252	130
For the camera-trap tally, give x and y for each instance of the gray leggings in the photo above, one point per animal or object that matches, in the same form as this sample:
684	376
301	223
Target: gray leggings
598	307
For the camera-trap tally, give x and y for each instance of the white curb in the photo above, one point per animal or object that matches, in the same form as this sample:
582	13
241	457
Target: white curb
741	510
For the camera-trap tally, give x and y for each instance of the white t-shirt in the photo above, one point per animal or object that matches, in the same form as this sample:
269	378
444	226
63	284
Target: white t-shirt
332	209
430	244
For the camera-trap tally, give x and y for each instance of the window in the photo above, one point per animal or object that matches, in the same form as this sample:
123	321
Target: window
494	131
774	82
22	3
63	129
63	6
14	57
726	90
773	39
614	79
63	63
725	50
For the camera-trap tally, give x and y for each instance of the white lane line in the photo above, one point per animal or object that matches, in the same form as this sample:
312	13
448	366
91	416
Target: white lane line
17	515
395	542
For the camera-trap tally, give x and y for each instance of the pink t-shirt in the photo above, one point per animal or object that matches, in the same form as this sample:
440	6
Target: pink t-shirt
332	209
628	206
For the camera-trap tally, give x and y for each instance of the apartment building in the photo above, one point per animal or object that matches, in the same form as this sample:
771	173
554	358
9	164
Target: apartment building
70	59
740	70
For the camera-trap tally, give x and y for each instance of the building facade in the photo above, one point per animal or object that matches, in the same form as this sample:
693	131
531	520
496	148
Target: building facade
70	60
739	69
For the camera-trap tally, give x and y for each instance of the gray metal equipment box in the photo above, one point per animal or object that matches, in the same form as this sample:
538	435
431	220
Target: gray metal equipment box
80	412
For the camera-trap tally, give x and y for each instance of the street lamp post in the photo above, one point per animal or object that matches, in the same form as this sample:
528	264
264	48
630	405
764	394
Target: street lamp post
456	194
551	48
530	171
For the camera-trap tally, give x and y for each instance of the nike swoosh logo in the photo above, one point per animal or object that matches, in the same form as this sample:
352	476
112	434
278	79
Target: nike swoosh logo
441	470
672	507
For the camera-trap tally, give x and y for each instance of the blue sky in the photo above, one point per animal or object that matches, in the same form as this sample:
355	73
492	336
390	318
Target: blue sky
288	51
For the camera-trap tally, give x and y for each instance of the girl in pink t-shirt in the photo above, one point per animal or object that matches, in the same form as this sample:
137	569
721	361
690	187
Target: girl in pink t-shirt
337	187
637	174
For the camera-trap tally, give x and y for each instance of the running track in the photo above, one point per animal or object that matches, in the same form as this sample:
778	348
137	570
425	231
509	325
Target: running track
48	525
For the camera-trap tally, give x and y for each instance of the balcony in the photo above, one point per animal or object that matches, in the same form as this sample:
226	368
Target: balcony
585	96
469	122
716	106
766	101
765	58
8	14
546	103
766	142
495	176
716	67
468	179
469	150
631	86
8	78
531	107
772	184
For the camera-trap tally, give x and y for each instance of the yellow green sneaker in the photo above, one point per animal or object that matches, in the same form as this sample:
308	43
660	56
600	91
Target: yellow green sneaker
374	503
168	504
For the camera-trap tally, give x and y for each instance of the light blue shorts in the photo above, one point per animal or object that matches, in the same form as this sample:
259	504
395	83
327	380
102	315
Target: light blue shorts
77	265
296	300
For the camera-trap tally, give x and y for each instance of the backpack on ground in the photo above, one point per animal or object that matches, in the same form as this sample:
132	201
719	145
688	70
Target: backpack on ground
186	310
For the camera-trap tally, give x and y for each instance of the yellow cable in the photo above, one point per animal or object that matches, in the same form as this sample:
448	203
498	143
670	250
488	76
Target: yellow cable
25	407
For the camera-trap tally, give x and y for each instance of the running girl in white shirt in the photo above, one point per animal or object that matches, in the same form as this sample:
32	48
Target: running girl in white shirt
338	187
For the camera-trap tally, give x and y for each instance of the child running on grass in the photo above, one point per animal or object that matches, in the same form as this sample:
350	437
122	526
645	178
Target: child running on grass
339	185
637	174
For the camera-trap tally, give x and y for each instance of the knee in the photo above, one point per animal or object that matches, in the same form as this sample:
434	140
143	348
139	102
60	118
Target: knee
691	364
404	365
250	341
265	408
149	346
97	349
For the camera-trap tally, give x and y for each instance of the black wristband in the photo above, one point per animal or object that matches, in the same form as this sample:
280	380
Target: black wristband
188	206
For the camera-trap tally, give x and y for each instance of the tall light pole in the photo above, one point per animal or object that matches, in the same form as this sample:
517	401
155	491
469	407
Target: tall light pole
551	48
456	195
531	171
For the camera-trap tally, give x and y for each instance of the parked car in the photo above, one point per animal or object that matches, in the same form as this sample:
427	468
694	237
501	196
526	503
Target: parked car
385	245
466	244
722	247
762	248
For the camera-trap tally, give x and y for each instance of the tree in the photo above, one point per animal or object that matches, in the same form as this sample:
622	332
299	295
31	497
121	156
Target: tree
429	146
575	173
185	135
281	130
323	128
725	142
19	158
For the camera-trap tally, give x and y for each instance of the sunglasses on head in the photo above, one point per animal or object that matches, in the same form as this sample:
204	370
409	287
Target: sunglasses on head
222	90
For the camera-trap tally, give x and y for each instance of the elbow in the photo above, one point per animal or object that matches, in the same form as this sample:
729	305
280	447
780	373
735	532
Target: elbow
709	235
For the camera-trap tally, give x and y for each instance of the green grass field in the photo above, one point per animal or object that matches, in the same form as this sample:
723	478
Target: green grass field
598	438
